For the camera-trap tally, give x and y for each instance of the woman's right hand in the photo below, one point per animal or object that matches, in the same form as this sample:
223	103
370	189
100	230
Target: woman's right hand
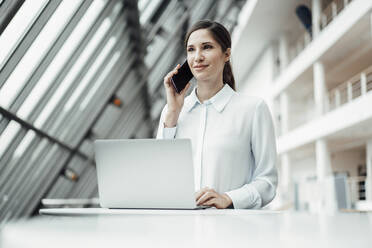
174	100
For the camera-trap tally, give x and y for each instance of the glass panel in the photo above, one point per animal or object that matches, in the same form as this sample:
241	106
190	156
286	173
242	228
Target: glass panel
8	135
150	8
89	75
100	80
18	27
36	52
24	144
88	97
73	73
61	58
142	4
39	149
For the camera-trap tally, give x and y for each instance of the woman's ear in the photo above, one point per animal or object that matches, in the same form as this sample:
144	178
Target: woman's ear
227	54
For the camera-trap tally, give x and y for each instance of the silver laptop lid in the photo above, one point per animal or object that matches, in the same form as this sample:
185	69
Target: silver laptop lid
145	173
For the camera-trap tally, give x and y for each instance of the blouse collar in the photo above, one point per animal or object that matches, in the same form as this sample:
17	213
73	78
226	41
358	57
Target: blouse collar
219	100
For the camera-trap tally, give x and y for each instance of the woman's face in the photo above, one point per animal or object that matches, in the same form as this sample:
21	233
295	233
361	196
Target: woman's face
205	56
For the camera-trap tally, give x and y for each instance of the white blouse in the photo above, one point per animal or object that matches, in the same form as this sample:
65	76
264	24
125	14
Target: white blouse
233	145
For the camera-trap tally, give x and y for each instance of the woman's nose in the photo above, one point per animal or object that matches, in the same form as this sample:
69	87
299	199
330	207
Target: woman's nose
198	56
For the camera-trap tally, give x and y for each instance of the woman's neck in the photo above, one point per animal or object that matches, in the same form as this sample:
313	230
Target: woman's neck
207	89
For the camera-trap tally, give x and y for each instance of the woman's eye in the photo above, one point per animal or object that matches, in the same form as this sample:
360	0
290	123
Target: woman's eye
190	49
207	46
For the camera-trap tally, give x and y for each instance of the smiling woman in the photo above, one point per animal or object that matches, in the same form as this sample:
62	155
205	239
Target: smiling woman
215	45
232	135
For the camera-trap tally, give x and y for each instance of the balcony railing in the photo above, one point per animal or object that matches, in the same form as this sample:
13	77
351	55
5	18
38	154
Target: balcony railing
302	42
356	187
331	11
346	92
328	14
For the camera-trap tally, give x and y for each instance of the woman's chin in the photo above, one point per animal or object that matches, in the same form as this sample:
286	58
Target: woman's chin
202	77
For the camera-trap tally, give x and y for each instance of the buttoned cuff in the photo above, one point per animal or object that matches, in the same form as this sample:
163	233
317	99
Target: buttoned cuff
169	132
245	197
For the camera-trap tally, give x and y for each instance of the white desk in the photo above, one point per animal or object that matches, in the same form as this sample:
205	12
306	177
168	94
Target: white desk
188	228
105	212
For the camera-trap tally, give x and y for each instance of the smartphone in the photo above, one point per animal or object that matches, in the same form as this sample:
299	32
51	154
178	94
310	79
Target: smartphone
180	80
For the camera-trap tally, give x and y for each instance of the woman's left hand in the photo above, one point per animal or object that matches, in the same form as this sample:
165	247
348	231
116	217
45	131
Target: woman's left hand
209	197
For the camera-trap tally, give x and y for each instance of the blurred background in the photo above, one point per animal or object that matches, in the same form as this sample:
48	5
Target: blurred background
72	71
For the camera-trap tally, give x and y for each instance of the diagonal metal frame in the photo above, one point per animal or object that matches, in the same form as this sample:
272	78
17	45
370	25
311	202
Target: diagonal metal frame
52	123
39	133
55	176
72	120
39	71
101	108
26	42
7	11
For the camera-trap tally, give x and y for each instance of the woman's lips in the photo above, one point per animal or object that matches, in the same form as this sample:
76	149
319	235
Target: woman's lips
200	67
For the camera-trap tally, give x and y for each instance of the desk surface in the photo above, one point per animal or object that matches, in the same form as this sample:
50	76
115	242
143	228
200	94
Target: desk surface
189	228
106	211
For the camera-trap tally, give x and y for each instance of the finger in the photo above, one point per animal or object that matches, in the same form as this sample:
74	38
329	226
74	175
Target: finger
207	196
175	70
167	79
171	73
211	202
201	192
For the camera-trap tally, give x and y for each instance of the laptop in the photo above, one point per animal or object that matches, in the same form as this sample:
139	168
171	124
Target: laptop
145	173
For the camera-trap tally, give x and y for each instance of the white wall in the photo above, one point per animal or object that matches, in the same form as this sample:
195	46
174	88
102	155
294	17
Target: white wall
343	161
258	82
348	161
301	170
302	111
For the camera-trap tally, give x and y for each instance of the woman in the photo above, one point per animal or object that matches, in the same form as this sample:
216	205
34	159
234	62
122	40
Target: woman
232	136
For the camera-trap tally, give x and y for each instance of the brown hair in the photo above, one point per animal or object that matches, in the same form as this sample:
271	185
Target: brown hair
222	36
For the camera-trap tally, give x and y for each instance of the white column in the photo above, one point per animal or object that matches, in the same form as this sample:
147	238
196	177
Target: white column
286	171
370	24
285	161
337	98
363	83
286	186
323	170
283	52
320	88
334	9
284	112
323	159
316	11
349	92
369	171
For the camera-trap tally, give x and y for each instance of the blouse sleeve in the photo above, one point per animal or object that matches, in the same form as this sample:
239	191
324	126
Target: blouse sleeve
262	189
165	132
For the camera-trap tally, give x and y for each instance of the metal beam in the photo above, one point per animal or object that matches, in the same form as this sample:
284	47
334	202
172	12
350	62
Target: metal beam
7	11
39	132
26	42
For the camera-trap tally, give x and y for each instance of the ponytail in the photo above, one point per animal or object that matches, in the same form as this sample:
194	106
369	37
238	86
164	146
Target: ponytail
228	76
